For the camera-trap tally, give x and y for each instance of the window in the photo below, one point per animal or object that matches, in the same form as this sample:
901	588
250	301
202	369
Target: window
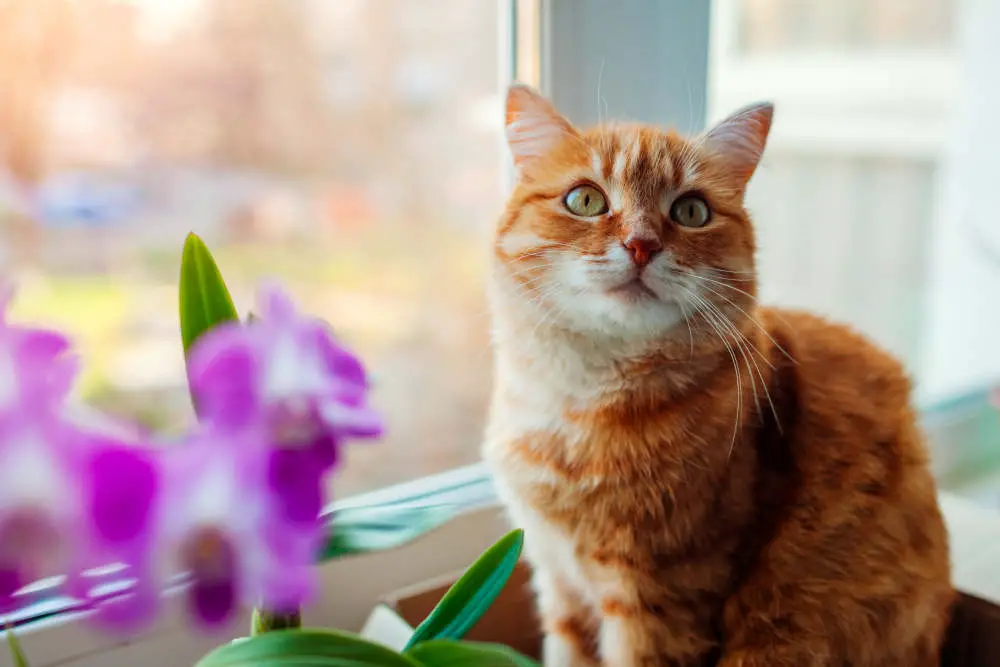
847	149
374	187
351	149
863	202
845	196
804	26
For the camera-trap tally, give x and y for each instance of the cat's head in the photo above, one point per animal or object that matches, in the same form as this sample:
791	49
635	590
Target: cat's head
626	230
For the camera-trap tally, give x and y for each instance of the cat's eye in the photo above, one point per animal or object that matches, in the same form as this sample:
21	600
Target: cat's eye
690	211
586	201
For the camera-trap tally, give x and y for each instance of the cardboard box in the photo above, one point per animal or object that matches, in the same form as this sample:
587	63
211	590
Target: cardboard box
973	638
511	620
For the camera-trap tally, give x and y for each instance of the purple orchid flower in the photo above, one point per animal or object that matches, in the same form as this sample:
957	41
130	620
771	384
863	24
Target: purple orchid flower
219	524
237	502
286	382
69	499
123	483
39	458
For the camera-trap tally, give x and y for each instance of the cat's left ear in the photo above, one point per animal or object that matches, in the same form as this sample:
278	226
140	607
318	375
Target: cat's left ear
534	128
740	138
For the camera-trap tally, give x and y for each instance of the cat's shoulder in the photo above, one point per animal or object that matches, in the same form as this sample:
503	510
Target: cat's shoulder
818	340
834	362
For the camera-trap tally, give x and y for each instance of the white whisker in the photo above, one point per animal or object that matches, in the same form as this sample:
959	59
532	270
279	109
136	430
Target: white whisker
687	321
748	349
752	319
736	370
739	340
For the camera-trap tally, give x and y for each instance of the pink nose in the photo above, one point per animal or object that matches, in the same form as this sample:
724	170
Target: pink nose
643	248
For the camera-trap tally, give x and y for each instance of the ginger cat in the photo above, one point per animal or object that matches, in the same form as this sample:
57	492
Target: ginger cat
702	480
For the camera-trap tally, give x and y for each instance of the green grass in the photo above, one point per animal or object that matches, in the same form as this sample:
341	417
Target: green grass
91	310
97	311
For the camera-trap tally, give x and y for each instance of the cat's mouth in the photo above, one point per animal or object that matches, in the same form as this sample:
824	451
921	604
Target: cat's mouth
634	291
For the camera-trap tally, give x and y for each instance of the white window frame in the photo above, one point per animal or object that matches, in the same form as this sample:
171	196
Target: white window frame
837	103
641	60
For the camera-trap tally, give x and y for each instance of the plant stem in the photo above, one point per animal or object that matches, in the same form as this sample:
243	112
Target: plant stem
265	621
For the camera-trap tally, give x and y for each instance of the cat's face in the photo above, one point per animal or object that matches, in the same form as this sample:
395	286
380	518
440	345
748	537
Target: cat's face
627	230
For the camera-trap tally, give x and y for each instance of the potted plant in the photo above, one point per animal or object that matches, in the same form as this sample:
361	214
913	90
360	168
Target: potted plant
437	641
236	503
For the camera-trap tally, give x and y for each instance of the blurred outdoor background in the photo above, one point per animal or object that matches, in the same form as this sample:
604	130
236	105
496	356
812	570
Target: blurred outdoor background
350	148
353	149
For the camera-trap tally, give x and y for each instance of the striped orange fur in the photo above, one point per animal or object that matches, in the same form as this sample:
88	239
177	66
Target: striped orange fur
702	480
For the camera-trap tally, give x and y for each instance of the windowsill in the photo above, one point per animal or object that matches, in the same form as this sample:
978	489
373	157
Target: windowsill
351	587
65	639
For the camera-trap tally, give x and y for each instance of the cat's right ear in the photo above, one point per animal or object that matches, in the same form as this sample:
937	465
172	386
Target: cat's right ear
534	127
740	138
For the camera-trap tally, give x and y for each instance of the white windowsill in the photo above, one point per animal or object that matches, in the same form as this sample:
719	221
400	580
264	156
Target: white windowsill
351	587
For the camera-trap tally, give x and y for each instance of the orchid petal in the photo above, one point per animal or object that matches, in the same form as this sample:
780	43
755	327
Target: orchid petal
326	451
336	360
61	376
289	588
35	369
10	583
37	347
274	307
124	486
296	479
350	421
213	603
132	611
289	372
222	368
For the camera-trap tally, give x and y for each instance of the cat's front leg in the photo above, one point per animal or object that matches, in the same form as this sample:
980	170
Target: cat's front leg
570	625
763	630
637	633
784	657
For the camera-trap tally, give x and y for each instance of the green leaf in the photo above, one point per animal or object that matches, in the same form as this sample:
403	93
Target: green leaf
305	648
16	654
448	653
469	598
204	297
359	530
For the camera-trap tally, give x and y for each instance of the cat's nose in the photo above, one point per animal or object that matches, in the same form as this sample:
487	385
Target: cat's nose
643	247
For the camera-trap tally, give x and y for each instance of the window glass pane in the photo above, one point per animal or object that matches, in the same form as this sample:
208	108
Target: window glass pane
350	148
846	234
774	26
869	200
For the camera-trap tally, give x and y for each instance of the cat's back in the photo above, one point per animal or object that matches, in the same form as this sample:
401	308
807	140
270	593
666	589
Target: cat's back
849	427
860	496
836	375
856	447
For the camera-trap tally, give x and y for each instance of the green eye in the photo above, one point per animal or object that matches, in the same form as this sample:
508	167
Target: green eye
690	211
586	201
